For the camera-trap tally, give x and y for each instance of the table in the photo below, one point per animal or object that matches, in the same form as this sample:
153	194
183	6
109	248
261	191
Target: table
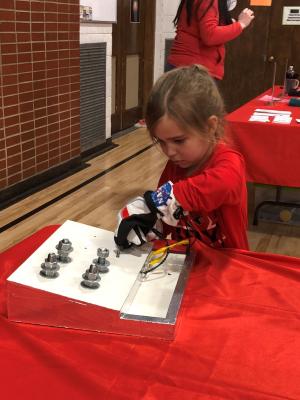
271	151
238	339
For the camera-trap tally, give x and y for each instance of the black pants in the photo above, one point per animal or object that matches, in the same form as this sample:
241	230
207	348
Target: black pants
169	67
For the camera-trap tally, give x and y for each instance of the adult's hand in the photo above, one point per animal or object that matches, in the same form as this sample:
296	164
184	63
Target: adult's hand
246	17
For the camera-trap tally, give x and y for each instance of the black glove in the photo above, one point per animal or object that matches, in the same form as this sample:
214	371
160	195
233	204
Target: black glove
136	222
139	221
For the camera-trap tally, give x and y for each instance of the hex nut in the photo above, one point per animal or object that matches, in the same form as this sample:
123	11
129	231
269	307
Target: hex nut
91	278
102	253
50	267
102	262
65	245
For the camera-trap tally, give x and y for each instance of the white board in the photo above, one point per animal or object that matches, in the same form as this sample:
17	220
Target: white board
153	297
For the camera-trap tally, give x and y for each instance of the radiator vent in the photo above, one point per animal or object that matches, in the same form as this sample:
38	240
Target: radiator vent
92	95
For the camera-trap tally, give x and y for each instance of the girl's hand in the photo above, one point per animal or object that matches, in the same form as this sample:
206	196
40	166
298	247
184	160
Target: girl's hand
135	221
245	18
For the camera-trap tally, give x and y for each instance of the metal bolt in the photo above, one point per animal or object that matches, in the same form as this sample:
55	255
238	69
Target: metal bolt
91	277
101	262
50	267
103	254
64	248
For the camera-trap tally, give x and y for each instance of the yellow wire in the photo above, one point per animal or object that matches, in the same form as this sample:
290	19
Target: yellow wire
163	250
185	241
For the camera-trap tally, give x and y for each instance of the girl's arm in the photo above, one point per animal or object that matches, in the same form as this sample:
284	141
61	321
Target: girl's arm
214	187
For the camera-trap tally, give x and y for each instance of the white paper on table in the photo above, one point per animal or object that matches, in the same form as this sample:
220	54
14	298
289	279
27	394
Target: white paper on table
282	119
259	118
267	97
260	114
267	111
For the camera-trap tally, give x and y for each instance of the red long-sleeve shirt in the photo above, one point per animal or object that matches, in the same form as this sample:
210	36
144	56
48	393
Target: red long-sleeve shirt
217	190
203	41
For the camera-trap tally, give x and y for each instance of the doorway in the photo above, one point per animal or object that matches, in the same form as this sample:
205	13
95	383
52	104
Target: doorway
132	61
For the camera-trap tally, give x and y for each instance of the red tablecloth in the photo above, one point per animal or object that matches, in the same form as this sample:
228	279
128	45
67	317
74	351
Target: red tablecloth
239	338
271	150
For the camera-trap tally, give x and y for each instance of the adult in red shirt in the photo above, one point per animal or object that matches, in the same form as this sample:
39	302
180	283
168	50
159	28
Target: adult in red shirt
202	29
202	191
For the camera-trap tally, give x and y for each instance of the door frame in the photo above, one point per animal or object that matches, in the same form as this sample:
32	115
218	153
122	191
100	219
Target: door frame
146	66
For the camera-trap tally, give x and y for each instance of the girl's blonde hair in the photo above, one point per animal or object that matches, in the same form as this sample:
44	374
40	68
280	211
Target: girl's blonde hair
189	96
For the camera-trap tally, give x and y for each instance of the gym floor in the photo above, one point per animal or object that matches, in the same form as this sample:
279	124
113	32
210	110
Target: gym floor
94	195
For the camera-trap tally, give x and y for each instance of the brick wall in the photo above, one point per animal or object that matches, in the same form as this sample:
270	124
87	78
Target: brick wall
39	87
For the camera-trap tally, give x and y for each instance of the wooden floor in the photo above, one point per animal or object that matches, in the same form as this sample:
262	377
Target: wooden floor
97	203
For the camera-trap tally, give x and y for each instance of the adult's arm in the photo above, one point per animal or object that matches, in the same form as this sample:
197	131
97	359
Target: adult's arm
211	33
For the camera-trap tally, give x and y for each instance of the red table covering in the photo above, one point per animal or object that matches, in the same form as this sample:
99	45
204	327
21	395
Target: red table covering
271	150
238	339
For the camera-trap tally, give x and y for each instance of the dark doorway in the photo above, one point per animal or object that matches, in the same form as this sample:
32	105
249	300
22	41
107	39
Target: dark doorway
132	61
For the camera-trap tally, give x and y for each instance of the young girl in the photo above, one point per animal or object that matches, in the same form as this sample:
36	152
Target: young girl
202	191
203	27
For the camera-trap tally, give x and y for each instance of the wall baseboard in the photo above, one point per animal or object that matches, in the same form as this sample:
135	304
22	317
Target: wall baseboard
21	190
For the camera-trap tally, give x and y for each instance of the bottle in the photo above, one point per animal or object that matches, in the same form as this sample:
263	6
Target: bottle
291	81
290	73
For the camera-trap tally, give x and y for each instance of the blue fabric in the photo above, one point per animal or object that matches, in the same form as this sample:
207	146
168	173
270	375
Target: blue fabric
162	195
